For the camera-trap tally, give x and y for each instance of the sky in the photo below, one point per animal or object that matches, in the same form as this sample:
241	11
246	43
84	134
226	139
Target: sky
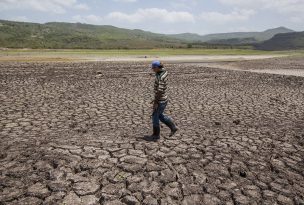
163	16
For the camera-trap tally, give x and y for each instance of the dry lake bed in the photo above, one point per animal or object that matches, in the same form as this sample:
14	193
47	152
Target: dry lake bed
72	133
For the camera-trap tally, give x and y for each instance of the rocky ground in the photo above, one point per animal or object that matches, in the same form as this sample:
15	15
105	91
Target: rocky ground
72	133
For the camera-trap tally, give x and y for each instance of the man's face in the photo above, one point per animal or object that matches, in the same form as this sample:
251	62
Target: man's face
156	70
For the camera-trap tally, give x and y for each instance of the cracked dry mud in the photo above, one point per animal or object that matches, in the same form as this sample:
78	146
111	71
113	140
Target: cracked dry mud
72	133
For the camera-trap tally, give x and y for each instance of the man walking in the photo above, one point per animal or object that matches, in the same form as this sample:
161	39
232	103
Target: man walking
160	101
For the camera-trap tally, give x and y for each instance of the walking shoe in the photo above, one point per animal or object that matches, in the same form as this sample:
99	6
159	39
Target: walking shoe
172	127
155	136
156	133
173	131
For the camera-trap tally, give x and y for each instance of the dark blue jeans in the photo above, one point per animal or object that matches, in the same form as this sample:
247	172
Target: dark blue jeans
158	115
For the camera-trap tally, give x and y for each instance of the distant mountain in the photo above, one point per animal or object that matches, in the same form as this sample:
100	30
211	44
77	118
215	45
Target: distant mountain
286	41
77	35
258	36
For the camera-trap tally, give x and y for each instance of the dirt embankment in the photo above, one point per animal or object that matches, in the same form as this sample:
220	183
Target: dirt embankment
293	66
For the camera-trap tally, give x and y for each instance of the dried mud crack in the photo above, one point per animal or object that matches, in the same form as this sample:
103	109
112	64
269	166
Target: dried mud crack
72	133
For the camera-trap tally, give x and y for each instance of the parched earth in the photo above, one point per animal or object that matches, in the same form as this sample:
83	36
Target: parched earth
72	133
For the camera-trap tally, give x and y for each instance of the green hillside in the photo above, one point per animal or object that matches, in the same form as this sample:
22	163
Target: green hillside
76	35
258	36
56	35
190	37
287	41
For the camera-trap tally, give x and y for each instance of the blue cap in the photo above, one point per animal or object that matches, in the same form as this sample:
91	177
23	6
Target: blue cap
156	64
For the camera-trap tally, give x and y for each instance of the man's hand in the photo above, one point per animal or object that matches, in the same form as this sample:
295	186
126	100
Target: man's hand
155	105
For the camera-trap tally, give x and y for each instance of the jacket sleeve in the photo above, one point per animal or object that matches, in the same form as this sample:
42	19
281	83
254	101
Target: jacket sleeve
160	86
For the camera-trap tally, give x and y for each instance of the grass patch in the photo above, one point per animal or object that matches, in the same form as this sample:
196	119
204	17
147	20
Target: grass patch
83	54
130	52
